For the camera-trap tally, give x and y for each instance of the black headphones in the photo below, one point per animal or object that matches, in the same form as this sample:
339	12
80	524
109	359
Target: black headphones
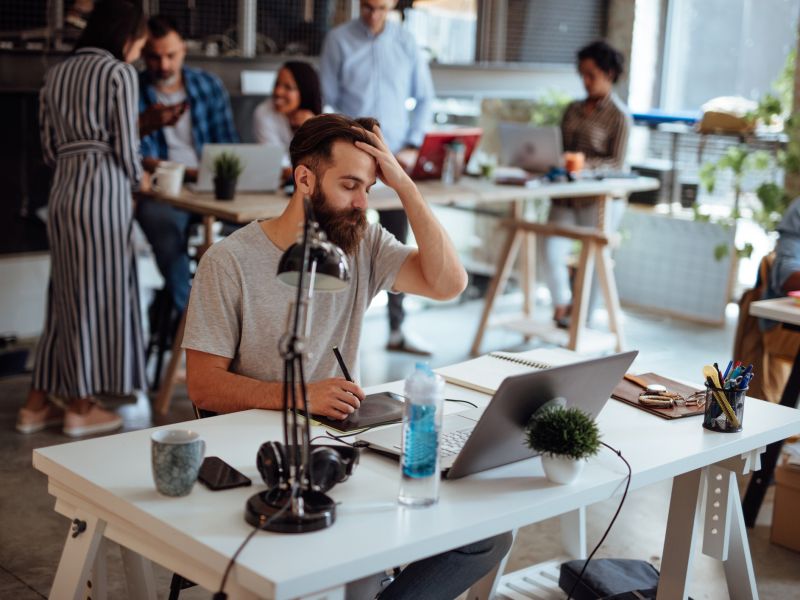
328	464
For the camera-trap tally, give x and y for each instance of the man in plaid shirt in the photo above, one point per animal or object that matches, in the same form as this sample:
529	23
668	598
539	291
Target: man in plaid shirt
181	110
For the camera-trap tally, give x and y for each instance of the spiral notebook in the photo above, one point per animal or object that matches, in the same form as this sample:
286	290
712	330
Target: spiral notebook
487	372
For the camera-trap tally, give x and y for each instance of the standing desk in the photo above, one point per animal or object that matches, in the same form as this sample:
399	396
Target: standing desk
785	311
106	484
247	207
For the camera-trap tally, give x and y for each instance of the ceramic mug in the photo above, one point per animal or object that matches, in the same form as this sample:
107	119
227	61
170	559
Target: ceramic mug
168	178
177	455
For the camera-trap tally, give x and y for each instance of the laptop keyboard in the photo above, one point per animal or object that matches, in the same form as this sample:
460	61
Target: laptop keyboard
452	442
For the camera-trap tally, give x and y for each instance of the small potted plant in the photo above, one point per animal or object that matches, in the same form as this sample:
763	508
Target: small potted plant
227	168
565	437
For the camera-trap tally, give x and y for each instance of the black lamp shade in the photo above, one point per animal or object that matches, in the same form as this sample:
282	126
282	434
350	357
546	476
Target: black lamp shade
333	270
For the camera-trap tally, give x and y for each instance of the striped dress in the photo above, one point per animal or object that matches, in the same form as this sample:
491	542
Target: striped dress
92	340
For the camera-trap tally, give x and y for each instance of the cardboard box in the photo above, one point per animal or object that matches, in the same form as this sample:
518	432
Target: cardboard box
785	524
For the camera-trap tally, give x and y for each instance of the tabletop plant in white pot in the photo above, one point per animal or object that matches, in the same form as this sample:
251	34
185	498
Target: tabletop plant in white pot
565	437
227	168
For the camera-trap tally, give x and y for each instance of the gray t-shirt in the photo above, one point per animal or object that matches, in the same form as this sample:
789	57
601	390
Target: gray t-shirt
238	308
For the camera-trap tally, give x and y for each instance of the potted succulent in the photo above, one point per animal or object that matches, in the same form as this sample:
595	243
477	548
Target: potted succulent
566	437
227	168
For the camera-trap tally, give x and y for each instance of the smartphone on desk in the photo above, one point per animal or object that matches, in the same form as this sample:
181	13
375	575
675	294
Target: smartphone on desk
216	474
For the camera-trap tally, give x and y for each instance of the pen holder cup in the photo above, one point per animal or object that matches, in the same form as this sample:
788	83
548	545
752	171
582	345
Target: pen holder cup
724	409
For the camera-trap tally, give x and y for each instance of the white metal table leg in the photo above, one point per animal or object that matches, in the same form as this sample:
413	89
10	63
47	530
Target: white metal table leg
573	533
684	509
77	559
739	574
725	535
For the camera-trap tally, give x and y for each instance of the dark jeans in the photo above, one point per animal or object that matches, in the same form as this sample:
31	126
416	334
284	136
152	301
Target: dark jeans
449	574
167	230
396	223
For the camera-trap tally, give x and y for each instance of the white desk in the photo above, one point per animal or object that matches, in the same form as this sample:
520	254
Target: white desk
783	310
107	483
778	309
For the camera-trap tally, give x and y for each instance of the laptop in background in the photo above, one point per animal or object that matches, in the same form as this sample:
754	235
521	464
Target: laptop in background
533	149
262	166
430	158
484	438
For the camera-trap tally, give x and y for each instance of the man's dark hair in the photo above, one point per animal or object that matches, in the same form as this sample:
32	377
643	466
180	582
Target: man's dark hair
112	24
307	80
162	25
313	142
607	58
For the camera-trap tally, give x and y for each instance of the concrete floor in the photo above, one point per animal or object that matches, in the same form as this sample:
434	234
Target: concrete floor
32	534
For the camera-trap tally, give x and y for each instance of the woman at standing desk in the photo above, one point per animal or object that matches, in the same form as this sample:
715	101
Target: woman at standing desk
598	127
92	339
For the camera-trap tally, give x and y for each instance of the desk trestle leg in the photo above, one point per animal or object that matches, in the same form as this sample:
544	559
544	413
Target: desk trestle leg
724	533
78	559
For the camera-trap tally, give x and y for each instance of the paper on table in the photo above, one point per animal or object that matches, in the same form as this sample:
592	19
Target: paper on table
487	372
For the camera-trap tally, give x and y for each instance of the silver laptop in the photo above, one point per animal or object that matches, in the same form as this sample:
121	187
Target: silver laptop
262	166
534	149
480	439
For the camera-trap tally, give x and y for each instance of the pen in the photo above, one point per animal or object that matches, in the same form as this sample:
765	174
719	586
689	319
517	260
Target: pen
343	366
728	369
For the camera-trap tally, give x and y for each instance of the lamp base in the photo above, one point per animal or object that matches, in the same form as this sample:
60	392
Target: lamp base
261	508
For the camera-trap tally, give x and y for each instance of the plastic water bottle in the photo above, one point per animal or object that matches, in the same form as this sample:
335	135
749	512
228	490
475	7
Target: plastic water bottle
422	422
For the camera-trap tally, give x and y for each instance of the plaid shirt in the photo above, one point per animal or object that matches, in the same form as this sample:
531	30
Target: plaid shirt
209	106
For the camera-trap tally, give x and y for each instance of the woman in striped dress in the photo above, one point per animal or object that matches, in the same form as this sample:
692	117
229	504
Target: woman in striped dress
597	126
92	340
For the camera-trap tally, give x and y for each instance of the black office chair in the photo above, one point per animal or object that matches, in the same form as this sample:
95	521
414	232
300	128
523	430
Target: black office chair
164	318
179	582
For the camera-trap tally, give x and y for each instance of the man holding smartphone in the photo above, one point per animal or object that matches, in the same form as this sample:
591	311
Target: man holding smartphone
181	109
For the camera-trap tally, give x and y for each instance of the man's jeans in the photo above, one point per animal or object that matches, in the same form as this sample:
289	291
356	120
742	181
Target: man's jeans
167	230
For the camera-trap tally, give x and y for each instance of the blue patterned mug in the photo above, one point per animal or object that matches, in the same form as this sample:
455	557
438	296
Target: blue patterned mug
177	456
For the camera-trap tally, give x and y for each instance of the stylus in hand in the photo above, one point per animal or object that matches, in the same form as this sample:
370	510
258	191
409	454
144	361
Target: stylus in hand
341	363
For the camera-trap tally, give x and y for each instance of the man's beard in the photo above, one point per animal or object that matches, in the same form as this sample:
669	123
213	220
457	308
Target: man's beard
166	79
344	228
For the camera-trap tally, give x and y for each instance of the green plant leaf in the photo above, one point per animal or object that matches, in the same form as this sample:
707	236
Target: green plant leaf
721	251
746	251
708	176
563	432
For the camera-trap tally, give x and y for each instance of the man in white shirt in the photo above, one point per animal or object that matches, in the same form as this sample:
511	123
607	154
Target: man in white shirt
370	67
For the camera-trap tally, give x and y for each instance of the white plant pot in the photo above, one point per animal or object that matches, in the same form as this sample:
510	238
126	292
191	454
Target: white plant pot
561	469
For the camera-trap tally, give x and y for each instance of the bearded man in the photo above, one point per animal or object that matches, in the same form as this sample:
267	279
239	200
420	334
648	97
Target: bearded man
237	309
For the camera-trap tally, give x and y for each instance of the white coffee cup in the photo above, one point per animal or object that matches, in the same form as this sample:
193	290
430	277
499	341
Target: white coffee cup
168	178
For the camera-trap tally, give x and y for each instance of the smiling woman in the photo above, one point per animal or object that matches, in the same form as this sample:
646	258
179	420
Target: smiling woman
296	97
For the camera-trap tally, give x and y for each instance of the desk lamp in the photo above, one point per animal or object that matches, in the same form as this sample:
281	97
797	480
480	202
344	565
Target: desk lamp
293	505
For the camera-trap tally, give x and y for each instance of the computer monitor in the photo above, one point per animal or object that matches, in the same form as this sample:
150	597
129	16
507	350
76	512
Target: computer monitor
534	149
431	154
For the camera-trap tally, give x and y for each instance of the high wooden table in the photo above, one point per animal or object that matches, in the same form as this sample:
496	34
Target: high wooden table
247	207
786	311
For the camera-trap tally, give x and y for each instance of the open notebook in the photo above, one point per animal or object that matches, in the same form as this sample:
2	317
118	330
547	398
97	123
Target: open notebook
487	372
